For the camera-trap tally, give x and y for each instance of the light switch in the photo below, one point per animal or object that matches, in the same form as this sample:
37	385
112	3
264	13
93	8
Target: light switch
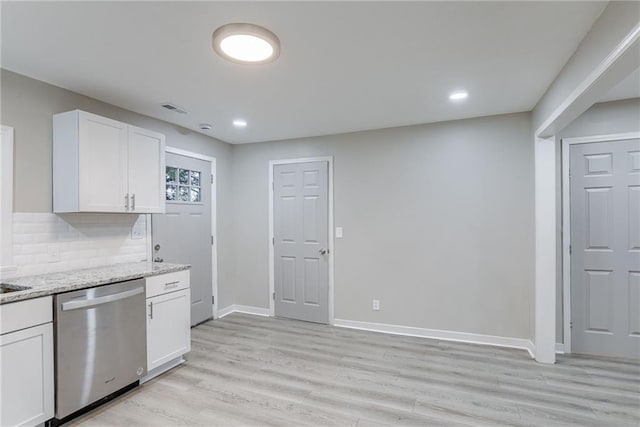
338	232
137	233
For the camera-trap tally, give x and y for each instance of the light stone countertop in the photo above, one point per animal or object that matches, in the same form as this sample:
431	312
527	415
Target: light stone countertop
55	283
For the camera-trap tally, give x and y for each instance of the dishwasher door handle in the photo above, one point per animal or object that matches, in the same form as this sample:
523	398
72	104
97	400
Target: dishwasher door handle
92	302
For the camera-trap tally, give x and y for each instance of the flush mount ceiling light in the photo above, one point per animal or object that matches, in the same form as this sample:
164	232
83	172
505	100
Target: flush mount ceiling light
246	43
239	123
459	95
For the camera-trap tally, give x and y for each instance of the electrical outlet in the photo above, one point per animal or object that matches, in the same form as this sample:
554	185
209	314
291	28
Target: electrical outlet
53	252
376	304
338	232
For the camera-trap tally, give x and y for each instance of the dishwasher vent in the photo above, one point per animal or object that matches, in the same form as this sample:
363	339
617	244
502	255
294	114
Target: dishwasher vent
174	108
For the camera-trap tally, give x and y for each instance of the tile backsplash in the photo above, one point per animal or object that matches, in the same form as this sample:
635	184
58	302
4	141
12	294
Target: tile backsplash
47	242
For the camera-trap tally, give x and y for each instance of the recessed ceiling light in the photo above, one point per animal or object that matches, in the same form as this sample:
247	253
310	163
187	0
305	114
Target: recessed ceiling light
459	95
246	43
239	123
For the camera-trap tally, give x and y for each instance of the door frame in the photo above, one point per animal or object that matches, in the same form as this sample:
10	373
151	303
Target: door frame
7	268
272	280
566	222
214	221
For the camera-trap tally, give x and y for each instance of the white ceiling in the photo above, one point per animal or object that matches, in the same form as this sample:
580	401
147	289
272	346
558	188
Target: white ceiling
344	66
627	88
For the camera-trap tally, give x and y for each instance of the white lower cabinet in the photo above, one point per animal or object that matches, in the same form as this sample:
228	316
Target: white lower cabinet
168	321
26	363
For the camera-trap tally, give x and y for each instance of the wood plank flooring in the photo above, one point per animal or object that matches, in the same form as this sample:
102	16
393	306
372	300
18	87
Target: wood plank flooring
254	371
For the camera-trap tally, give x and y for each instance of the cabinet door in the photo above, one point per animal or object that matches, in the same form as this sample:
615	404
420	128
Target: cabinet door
168	327
26	376
102	164
146	170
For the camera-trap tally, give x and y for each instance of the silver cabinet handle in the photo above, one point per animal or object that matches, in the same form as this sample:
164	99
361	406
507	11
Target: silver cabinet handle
92	302
322	251
171	285
150	309
133	202
126	202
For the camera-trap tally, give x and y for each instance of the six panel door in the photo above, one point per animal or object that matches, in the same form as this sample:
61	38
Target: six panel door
605	248
300	211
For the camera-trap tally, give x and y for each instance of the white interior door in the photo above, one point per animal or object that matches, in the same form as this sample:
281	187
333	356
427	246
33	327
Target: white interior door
183	234
605	248
301	241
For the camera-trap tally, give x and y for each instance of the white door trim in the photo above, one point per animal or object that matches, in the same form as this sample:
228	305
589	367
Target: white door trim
545	250
272	163
214	220
566	223
6	201
585	94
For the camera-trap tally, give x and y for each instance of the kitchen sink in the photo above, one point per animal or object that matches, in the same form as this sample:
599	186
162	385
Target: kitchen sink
5	288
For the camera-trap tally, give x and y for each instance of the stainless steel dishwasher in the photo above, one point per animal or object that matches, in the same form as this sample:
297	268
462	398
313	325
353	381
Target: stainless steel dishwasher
100	343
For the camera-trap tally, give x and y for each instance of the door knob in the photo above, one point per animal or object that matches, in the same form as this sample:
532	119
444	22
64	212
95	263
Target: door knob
158	259
157	247
322	251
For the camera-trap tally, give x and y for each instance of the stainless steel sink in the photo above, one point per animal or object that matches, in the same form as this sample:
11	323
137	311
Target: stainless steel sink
5	288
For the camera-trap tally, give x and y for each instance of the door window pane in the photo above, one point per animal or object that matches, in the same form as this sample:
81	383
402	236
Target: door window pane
195	178
183	193
183	185
171	192
184	176
195	194
171	174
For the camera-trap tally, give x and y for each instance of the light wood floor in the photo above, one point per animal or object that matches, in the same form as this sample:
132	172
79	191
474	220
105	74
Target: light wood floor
247	370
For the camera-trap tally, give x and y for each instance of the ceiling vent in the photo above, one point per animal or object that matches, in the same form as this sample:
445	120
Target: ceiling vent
174	108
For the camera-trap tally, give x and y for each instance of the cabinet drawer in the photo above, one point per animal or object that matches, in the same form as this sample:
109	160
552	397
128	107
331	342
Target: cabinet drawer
24	314
158	285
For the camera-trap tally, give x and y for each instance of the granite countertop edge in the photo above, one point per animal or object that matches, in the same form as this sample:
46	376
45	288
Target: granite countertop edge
54	283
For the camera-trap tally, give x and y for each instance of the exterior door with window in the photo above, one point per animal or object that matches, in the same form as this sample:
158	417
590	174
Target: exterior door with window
183	234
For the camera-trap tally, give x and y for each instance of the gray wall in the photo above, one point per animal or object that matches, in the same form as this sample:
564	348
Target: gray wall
600	119
438	223
28	104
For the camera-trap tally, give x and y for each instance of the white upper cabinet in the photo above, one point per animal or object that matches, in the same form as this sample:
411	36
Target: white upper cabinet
146	171
103	165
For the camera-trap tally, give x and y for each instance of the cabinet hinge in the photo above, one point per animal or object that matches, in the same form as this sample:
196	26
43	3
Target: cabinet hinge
570	325
212	179
213	300
569	249
273	296
212	240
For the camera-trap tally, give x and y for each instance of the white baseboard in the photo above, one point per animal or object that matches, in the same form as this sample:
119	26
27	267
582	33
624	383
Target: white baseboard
162	369
519	343
246	309
560	349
